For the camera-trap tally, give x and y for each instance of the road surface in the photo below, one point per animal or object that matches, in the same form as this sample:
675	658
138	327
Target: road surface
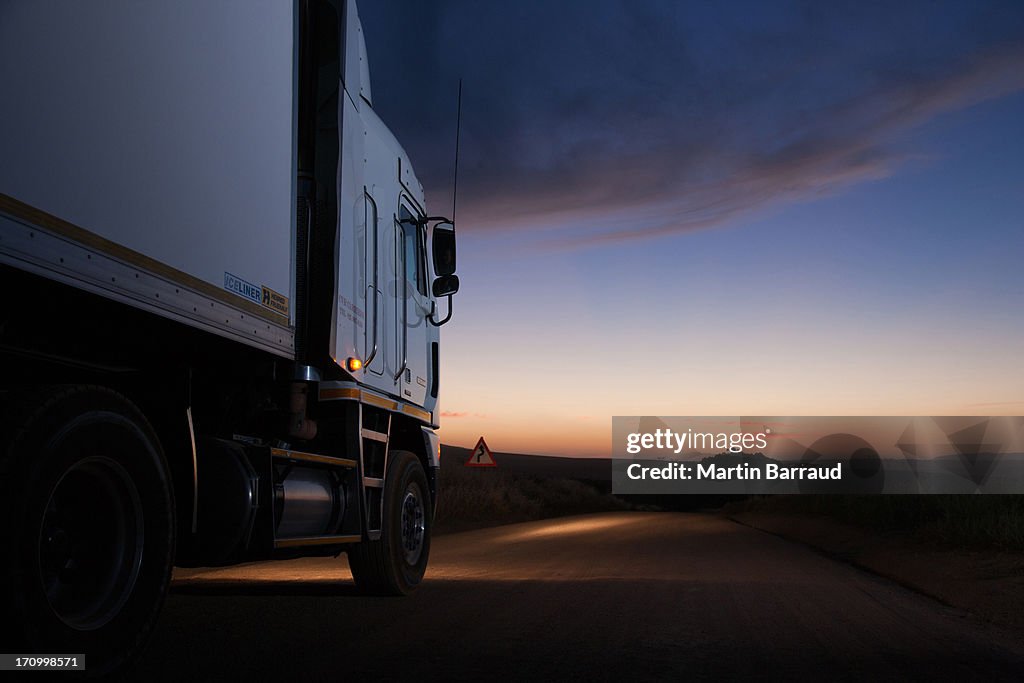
600	597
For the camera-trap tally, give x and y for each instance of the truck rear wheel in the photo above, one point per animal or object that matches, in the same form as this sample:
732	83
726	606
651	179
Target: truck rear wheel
395	564
90	527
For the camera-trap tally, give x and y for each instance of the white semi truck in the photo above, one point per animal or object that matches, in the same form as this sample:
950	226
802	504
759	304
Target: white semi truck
222	294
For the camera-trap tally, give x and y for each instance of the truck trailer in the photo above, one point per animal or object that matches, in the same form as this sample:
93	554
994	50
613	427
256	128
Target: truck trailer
223	293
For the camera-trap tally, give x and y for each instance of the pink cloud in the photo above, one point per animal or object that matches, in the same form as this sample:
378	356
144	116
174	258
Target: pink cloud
454	413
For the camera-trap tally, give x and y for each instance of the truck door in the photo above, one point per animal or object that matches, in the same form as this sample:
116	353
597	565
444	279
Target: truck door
414	362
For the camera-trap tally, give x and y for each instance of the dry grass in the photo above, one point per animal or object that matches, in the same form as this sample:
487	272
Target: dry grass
970	521
473	497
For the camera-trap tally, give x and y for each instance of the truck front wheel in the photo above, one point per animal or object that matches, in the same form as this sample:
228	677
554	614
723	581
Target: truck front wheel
395	564
89	525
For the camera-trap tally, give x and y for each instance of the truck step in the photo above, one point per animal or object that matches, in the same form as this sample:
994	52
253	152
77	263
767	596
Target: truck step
374	436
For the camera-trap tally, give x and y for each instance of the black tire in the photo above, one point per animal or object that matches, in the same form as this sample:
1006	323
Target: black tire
89	523
395	564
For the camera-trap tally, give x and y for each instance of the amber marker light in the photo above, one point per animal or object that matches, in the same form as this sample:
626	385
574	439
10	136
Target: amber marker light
354	364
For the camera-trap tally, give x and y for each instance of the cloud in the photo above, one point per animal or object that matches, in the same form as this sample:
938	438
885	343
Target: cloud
852	144
634	120
456	414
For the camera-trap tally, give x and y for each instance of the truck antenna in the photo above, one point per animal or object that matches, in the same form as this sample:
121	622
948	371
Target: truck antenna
458	128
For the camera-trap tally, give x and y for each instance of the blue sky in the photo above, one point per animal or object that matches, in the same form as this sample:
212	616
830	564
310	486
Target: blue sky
729	208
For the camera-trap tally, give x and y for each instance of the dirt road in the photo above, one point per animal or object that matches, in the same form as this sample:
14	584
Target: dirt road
602	597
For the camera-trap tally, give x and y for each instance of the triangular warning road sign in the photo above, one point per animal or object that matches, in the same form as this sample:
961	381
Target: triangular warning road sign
481	456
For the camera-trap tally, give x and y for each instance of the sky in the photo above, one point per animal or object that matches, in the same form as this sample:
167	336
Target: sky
737	208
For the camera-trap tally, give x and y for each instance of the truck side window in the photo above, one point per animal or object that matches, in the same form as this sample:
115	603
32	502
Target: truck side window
414	252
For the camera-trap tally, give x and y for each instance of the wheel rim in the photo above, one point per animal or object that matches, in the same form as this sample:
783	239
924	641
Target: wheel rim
413	525
90	543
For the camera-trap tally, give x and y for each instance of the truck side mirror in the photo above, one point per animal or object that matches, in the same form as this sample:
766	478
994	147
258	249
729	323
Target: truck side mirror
447	282
445	285
443	244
